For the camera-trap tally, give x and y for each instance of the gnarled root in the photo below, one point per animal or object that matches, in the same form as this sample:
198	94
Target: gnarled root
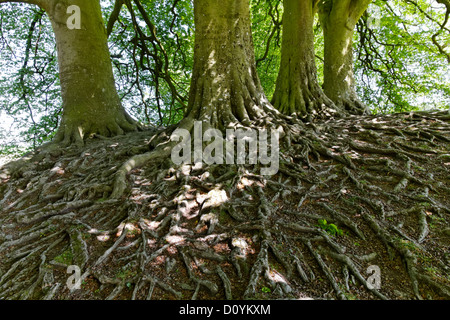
350	195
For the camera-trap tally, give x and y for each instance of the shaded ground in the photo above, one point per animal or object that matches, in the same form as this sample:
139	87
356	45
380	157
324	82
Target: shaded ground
225	232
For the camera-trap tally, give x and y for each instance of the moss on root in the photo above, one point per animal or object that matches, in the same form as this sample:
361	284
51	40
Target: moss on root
163	237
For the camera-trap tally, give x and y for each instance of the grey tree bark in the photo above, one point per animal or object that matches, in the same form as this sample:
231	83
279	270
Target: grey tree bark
338	19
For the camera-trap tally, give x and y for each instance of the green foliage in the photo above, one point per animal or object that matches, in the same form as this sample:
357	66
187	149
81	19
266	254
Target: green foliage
29	83
153	74
397	64
9	150
267	33
330	228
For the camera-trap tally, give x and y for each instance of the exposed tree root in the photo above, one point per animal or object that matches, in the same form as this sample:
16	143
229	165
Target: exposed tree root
139	227
307	104
353	105
74	133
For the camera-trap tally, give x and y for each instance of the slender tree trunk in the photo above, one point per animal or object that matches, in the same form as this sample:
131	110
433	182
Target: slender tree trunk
91	104
225	88
338	19
297	88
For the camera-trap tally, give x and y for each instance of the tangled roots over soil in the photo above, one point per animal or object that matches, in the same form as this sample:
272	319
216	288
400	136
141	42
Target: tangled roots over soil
351	196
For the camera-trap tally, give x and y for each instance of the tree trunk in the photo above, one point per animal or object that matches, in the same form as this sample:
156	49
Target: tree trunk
91	104
225	88
297	89
338	19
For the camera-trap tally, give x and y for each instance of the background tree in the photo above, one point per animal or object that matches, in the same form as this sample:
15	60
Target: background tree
297	89
91	104
338	19
151	42
267	30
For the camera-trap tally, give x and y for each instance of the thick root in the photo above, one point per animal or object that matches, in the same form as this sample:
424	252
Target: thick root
351	195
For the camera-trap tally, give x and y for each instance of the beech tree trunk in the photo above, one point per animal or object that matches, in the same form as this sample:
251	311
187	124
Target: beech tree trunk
338	19
91	104
297	88
225	87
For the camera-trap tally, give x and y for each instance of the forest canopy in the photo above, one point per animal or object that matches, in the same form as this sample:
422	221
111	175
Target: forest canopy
401	59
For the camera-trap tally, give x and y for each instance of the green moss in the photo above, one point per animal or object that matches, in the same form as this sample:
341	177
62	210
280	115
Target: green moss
65	258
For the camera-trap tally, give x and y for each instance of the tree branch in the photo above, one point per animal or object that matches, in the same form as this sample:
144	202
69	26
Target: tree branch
441	25
114	16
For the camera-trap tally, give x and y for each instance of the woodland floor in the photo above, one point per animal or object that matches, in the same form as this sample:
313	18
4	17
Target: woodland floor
382	183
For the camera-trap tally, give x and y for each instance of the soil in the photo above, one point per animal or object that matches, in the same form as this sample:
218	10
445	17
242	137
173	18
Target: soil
354	199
